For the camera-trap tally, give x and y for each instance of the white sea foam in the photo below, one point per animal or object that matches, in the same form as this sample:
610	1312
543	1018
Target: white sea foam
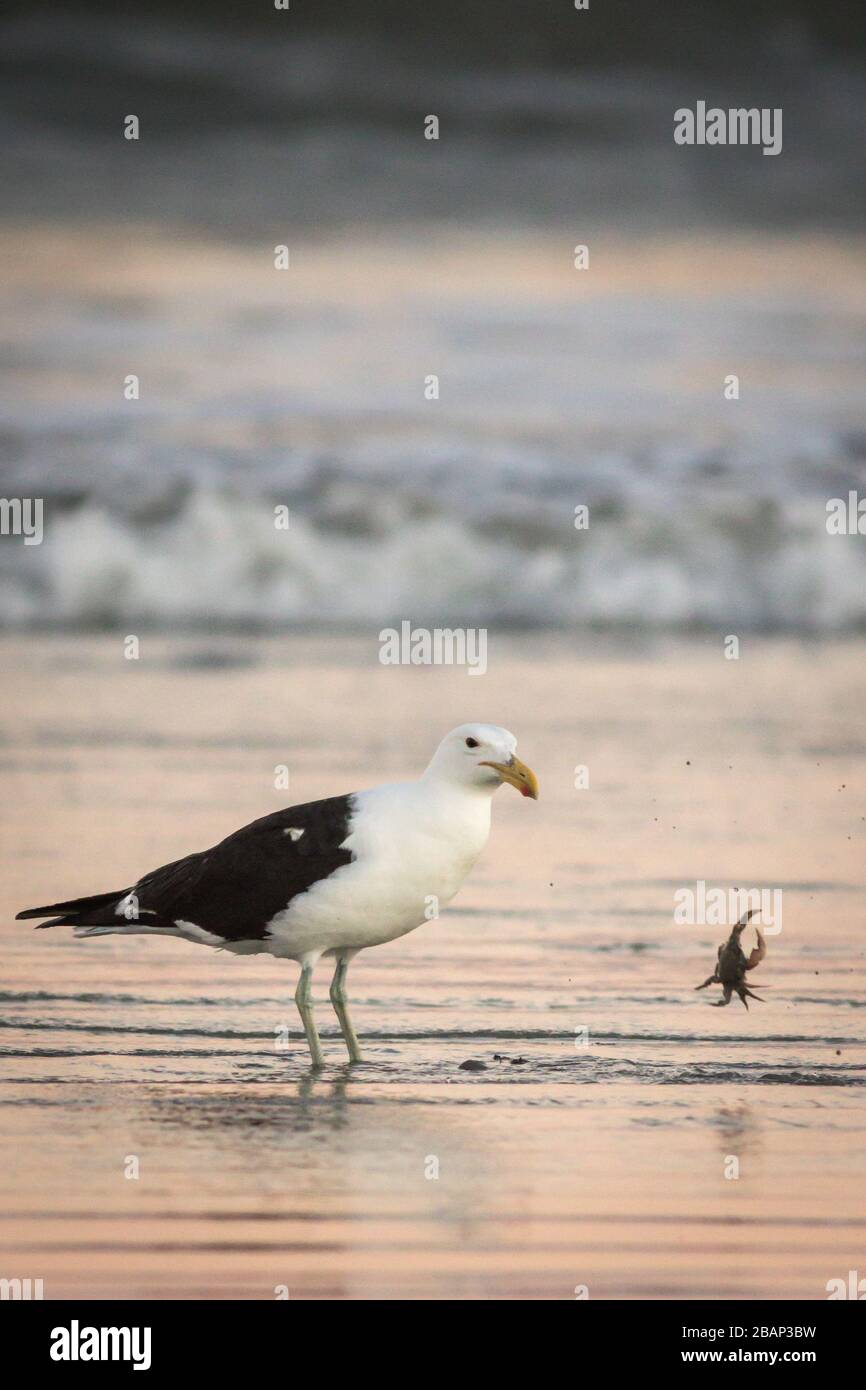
219	558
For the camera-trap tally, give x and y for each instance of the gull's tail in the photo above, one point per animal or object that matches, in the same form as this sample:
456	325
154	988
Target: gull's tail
102	914
72	912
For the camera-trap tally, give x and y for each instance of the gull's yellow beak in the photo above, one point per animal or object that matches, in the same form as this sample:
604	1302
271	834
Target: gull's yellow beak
518	775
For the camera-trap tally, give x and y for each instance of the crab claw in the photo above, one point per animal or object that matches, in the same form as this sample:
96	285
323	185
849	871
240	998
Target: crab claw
757	955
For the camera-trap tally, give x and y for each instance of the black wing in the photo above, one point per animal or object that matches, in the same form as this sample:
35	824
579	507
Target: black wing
237	887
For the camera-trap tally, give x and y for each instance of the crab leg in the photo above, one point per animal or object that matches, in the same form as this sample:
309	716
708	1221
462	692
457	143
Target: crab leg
743	990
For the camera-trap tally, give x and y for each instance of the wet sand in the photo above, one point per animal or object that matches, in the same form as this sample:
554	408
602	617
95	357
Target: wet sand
598	1165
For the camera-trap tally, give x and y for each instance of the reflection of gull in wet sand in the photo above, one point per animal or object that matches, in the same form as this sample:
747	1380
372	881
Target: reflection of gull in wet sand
327	878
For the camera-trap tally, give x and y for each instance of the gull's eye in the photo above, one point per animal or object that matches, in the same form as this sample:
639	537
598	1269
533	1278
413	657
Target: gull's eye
472	743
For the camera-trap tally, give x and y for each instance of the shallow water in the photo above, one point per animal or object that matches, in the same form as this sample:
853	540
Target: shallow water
594	1150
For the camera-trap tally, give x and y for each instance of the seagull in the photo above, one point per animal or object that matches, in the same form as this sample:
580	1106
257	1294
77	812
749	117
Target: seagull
327	878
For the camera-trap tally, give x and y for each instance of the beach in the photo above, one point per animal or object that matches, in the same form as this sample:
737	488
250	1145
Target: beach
321	322
591	1155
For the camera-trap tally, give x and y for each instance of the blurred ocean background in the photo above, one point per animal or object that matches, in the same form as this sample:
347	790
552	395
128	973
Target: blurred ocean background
410	257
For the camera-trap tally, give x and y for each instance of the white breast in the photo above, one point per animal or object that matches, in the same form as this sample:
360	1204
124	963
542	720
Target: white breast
414	847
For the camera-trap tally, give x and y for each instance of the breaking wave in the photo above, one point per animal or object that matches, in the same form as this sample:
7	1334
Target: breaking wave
359	555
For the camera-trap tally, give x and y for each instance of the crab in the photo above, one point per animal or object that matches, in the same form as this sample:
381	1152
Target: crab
732	964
